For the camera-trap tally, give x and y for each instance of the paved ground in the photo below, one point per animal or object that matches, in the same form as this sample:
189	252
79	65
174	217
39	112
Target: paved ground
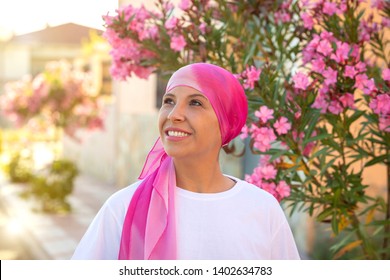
29	234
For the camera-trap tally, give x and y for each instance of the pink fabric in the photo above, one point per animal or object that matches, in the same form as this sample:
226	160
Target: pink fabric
149	229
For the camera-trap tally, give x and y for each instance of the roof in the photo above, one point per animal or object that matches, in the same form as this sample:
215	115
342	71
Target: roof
69	33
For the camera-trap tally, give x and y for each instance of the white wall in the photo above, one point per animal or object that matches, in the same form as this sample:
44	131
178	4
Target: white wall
16	62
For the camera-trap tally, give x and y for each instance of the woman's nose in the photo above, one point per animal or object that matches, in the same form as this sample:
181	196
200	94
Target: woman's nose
177	113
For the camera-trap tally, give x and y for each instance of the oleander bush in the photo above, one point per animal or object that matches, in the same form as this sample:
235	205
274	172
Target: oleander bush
317	78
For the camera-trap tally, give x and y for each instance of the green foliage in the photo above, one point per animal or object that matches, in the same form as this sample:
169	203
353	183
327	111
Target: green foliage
19	168
53	185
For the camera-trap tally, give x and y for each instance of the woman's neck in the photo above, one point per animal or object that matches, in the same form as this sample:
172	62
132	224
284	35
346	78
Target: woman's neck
201	177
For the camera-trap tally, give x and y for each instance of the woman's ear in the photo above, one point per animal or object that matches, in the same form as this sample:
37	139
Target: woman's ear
231	148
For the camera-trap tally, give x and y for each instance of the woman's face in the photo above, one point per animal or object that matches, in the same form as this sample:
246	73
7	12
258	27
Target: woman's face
188	125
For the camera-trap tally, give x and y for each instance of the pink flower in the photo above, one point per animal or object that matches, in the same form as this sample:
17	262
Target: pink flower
307	150
263	138
267	172
369	86
308	21
252	75
325	35
264	160
335	107
171	23
330	76
308	54
318	65
384	123
342	8
355	51
283	190
244	132
385	22
364	31
178	43
269	187
282	125
350	72
264	114
324	89
342	52
168	6
386	74
329	8
361	67
378	4
347	100
301	81
185	5
282	16
320	103
381	104
325	48
143	72
360	80
202	28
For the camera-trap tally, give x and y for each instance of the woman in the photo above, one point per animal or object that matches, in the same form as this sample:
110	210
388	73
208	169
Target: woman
184	207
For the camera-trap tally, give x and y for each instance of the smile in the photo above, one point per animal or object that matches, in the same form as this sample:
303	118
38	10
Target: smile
177	133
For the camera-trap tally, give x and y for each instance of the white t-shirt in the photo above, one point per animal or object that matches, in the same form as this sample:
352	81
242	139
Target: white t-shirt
241	223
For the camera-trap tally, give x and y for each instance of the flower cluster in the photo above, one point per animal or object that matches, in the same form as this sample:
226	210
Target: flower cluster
332	62
317	78
337	69
380	102
127	54
60	96
264	133
381	106
264	176
139	36
249	77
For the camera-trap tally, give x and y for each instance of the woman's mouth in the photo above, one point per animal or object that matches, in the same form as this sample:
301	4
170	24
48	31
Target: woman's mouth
174	133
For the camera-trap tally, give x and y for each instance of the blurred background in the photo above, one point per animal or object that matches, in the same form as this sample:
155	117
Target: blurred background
57	171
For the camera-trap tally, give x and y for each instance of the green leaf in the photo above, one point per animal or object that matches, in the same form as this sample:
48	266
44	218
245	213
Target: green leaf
318	137
335	224
354	117
325	167
251	51
325	214
379	159
321	152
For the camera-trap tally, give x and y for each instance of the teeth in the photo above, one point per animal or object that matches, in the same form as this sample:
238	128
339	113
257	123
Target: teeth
177	133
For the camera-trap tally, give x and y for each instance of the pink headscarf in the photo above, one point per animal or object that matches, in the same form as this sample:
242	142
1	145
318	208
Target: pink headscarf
149	229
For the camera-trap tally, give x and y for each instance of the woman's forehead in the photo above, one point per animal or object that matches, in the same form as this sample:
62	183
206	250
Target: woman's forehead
186	90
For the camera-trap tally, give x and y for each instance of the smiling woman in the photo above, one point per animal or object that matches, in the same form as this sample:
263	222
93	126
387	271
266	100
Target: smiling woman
184	207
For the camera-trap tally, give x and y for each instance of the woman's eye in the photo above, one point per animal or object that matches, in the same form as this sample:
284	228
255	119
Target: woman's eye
195	103
168	101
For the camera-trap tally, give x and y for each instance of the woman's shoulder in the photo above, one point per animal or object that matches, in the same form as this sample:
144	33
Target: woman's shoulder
123	196
261	201
253	192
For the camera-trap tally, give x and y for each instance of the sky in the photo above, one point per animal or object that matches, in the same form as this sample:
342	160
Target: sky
24	16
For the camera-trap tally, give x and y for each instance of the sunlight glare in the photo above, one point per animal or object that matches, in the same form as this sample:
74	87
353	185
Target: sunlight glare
24	16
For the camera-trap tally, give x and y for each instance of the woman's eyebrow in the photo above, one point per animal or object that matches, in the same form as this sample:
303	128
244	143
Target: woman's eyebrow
168	94
197	95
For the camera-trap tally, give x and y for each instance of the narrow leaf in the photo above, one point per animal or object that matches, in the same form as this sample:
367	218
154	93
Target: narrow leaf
347	248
